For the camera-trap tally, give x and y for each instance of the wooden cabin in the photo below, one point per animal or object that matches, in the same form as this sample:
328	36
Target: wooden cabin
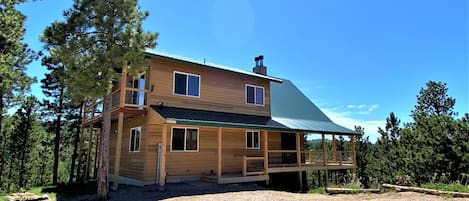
188	120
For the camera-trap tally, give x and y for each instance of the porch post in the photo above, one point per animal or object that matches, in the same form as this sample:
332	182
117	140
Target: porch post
219	151
298	149
164	133
117	159
298	158
334	148
354	159
266	152
324	150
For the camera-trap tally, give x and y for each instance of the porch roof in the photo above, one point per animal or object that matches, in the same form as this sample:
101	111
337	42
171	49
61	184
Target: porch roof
222	119
290	107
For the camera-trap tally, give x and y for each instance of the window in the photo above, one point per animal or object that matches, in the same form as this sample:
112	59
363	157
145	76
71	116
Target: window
134	144
254	95
252	140
186	84
185	139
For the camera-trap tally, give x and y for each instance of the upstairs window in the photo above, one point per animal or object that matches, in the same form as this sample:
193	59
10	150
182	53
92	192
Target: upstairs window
254	95
134	144
252	140
185	139
186	84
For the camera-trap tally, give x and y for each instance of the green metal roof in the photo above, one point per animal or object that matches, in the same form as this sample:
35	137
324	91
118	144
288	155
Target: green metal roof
213	118
151	52
290	107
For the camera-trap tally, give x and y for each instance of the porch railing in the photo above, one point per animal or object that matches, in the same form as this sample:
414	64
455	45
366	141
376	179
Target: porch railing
253	165
134	98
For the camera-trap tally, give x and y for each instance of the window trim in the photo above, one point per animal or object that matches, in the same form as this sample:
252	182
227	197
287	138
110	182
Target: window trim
258	137
185	137
139	138
246	94
187	83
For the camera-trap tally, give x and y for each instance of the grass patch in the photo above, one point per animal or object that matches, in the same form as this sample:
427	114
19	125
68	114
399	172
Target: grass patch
320	190
40	190
454	187
350	186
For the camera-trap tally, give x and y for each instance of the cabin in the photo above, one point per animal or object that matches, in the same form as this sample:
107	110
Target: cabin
183	119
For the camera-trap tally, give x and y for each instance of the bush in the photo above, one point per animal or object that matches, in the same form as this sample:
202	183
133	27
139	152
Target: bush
455	187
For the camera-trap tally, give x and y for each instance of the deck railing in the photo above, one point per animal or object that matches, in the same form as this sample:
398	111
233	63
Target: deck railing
133	98
253	165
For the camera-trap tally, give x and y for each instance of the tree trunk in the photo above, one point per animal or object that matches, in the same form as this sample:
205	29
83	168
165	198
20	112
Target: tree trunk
75	147
55	171
21	179
2	155
104	150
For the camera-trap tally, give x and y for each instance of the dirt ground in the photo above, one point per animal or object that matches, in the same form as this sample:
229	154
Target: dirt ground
201	191
269	195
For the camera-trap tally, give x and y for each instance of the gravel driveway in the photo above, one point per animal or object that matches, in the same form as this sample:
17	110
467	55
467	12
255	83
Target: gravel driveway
201	191
269	195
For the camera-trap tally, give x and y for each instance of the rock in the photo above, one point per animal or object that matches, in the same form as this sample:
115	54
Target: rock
26	197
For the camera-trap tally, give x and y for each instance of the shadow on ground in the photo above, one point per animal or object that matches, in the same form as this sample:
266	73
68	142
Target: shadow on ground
154	192
172	190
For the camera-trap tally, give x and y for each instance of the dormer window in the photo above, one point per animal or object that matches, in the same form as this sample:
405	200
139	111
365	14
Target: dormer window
186	84
254	95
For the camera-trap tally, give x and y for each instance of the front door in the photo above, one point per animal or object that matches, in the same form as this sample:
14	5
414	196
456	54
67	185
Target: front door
288	142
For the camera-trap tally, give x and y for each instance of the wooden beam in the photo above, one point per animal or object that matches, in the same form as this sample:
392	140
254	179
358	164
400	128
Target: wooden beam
245	166
117	158
219	153
298	149
164	133
300	179
352	141
324	150
123	85
334	148
266	151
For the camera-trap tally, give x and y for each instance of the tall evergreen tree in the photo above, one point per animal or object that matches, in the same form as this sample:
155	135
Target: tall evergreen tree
54	89
22	138
362	149
14	56
94	41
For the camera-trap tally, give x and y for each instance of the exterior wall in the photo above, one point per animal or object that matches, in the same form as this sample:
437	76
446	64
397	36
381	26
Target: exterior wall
219	90
131	163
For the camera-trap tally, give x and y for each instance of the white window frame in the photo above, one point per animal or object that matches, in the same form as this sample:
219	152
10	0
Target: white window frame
187	83
254	132
185	138
139	139
246	94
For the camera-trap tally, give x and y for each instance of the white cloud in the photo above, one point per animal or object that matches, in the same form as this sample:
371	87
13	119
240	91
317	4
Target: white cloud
362	109
344	119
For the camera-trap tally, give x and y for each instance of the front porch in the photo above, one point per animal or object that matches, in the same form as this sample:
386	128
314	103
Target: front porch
271	157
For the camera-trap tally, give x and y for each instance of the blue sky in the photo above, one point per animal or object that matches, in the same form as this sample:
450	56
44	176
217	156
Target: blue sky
357	60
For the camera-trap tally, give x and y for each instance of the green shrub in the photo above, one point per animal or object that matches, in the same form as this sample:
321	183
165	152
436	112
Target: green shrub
455	187
320	190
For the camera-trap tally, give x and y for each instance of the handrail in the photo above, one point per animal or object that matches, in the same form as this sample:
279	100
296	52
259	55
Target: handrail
245	165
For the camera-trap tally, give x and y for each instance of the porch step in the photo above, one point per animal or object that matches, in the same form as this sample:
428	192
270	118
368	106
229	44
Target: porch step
233	179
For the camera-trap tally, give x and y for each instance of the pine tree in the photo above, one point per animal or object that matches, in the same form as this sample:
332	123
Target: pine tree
362	149
22	141
14	56
94	41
